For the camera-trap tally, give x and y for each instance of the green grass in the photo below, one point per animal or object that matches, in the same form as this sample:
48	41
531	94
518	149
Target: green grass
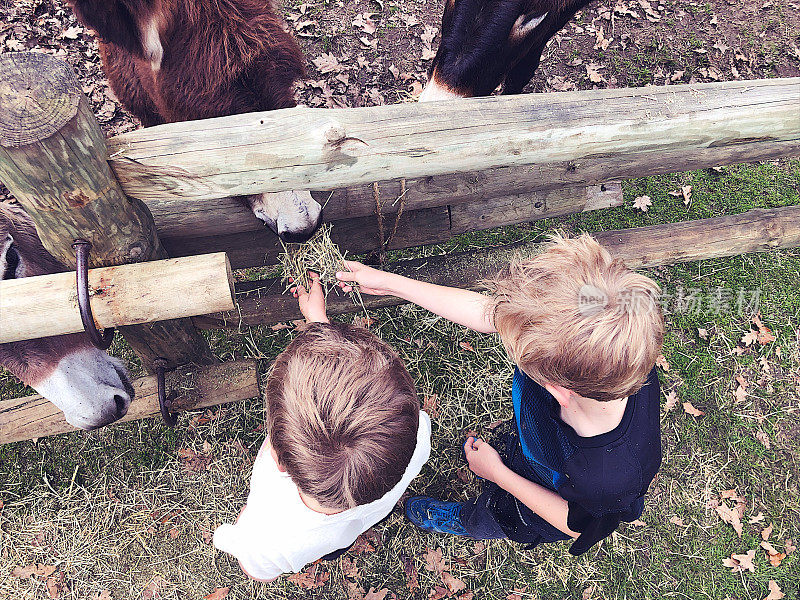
93	503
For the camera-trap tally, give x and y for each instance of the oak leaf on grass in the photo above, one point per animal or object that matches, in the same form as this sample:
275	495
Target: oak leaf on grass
775	592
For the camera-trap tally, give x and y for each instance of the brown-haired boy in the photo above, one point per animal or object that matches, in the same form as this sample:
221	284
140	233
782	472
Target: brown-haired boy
584	444
345	438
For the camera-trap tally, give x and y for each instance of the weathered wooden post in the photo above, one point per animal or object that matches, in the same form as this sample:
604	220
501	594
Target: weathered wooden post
53	158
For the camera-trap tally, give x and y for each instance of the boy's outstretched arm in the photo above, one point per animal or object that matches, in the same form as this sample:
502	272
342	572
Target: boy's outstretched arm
485	462
464	307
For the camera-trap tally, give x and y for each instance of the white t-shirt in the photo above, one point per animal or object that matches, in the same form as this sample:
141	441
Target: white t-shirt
277	533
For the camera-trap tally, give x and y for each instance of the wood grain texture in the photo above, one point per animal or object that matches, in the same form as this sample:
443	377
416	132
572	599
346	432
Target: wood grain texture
54	161
262	302
319	149
259	246
198	387
35	307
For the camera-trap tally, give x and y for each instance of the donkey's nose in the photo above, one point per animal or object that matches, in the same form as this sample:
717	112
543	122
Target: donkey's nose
121	403
298	236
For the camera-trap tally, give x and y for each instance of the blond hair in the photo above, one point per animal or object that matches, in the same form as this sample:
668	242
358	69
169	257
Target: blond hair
575	317
342	415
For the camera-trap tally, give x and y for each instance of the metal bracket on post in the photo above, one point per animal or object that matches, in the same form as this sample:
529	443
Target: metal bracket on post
164	400
100	340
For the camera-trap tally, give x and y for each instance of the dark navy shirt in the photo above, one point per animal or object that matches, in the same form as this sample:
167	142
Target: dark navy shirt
603	478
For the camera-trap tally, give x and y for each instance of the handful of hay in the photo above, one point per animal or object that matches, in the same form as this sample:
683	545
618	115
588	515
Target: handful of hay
320	255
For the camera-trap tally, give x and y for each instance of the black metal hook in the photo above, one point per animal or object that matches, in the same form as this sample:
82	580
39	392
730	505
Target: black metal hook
164	401
100	340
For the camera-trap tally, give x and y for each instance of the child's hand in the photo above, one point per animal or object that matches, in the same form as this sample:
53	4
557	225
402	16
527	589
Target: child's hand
312	302
370	281
483	460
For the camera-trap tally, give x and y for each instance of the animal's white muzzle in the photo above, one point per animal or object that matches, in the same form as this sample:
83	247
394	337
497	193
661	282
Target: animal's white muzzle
91	388
294	216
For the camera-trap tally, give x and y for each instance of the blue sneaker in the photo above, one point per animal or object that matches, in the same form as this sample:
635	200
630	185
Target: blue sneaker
435	515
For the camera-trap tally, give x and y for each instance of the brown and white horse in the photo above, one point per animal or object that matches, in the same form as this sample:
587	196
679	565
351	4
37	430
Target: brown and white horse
181	60
91	387
486	43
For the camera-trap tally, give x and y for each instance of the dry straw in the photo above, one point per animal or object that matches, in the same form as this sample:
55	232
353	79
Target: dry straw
319	254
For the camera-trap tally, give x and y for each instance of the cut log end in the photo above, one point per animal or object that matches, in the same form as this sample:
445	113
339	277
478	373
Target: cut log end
39	94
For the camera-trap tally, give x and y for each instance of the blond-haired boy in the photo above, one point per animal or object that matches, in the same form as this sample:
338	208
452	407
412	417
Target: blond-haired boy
584	443
345	438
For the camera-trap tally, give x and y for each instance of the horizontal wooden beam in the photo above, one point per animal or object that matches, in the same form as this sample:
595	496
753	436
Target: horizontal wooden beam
198	387
36	307
262	302
652	129
250	244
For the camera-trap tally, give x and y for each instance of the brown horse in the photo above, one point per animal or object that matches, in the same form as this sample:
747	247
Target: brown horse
181	60
91	387
486	43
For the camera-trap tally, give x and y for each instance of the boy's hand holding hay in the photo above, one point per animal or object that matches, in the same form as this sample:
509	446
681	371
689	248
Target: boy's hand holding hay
319	255
312	301
309	271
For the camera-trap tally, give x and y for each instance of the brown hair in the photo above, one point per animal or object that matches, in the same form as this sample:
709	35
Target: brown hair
575	317
342	415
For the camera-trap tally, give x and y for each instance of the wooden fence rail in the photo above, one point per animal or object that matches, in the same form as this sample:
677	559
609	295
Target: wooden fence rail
605	134
256	246
197	387
37	307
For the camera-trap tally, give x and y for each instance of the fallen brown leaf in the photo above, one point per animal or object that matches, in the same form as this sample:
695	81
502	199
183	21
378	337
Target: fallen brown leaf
741	562
749	337
642	202
218	594
729	515
689	408
438	592
686	191
55	585
327	63
434	561
152	589
362	545
453	584
195	462
23	572
766	532
775	592
374	594
661	361
349	568
430	405
740	395
310	578
412	575
672	401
